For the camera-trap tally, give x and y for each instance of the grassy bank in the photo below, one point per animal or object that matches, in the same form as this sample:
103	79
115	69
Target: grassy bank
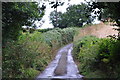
31	53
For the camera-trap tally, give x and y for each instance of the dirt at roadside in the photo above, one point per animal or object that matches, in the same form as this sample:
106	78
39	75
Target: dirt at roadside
99	30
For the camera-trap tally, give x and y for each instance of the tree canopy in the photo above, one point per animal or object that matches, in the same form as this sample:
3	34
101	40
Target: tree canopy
17	14
107	10
75	15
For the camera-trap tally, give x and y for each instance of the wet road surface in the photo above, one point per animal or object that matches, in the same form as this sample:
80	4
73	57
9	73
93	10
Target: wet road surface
62	67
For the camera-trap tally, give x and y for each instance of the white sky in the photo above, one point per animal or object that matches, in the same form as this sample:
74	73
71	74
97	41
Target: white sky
48	10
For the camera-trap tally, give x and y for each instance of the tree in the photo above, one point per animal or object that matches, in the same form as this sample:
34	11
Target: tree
15	54
17	14
107	10
76	15
55	5
54	17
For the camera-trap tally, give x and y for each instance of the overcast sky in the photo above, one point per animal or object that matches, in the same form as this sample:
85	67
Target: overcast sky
48	10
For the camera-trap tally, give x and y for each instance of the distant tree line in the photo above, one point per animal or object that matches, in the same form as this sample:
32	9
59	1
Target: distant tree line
75	16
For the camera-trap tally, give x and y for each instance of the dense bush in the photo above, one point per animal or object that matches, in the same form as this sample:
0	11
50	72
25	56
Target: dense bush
86	53
28	52
98	57
28	56
59	37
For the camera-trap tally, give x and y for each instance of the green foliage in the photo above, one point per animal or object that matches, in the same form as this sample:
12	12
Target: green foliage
75	15
30	73
17	14
115	51
55	39
105	47
86	52
27	53
59	36
107	10
97	56
18	51
28	56
44	30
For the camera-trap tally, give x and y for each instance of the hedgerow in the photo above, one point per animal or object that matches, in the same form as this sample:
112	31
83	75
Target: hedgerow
98	57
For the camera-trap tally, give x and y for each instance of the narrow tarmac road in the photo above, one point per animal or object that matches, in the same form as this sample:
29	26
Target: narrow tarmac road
62	67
